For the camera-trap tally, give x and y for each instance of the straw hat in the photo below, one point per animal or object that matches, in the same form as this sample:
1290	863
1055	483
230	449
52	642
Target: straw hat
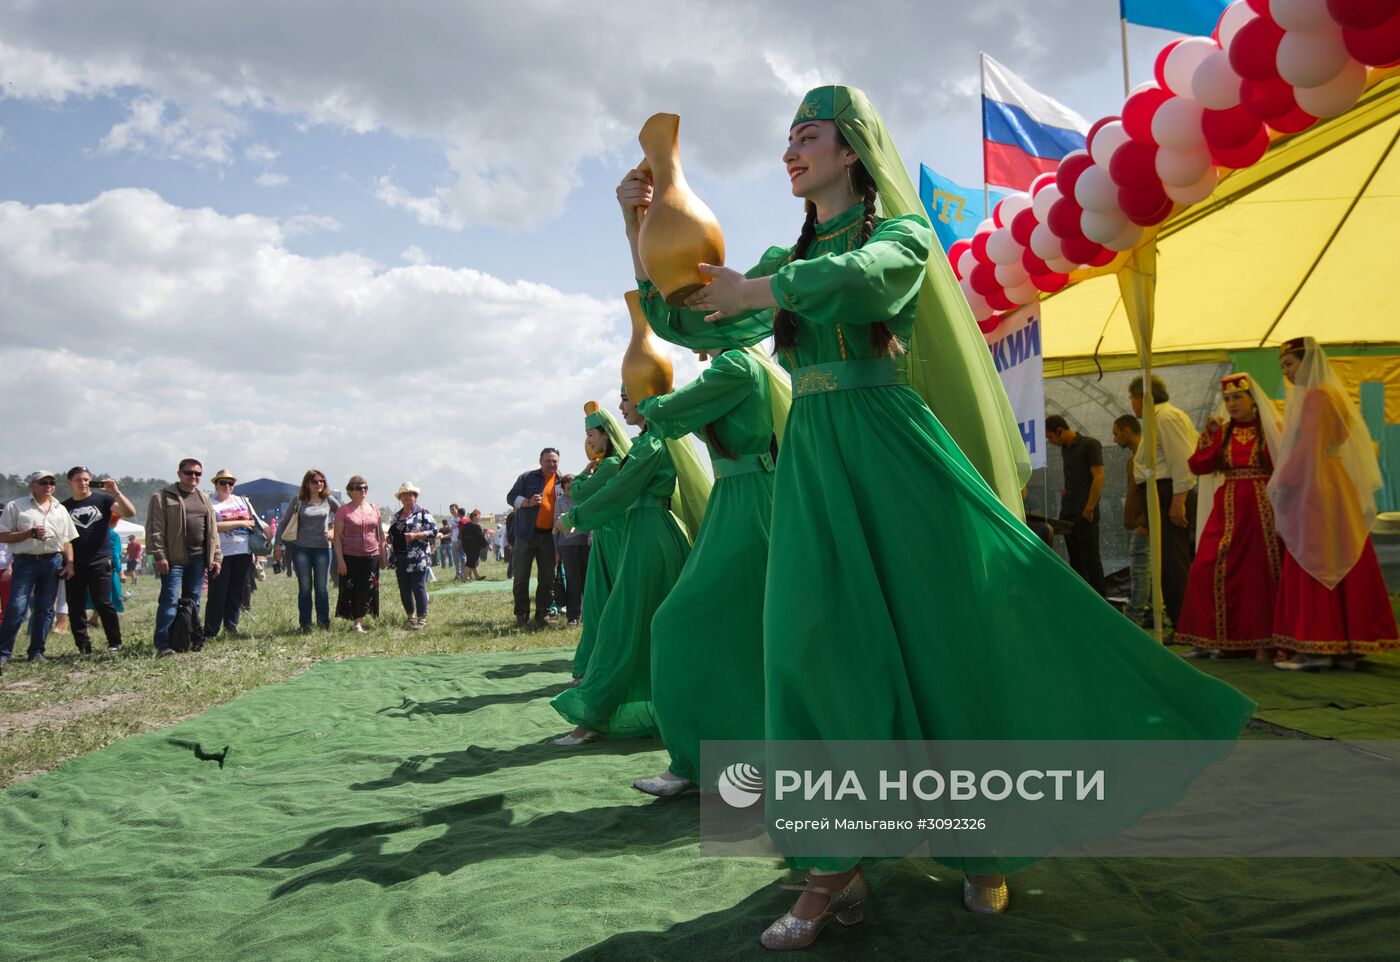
408	487
223	475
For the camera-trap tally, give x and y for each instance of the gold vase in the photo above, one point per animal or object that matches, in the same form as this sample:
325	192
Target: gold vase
589	408
678	232
646	371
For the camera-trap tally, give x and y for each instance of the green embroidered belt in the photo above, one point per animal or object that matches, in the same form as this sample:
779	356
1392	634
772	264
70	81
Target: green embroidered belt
651	501
846	376
745	464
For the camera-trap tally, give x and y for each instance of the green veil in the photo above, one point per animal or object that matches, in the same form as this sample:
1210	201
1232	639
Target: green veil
948	362
602	418
693	486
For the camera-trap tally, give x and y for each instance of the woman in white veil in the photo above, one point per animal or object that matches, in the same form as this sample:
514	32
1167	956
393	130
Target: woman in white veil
1230	589
1332	603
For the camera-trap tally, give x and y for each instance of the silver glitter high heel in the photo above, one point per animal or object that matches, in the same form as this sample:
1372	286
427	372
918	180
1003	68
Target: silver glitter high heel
846	906
986	899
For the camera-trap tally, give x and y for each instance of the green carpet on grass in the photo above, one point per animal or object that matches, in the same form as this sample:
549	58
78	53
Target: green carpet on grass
413	809
1360	704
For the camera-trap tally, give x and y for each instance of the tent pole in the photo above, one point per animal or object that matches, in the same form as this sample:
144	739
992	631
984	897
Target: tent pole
1380	161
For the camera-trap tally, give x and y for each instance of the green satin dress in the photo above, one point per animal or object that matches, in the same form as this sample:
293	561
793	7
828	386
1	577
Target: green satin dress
614	698
903	600
707	651
602	561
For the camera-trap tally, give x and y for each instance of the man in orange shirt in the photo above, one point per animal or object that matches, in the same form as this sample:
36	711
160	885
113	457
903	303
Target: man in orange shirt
532	496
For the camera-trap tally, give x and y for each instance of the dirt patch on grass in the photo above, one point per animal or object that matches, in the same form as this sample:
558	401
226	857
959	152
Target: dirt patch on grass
55	716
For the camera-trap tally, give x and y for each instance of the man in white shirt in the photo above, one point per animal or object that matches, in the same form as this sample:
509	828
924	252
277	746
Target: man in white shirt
40	534
1170	469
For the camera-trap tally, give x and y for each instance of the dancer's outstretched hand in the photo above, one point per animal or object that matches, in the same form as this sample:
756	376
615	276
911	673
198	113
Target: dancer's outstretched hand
729	294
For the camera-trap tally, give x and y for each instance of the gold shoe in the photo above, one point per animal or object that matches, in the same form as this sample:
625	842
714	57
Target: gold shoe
846	906
986	899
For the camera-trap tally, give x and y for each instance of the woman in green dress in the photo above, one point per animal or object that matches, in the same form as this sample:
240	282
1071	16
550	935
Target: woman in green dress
947	618
605	436
614	699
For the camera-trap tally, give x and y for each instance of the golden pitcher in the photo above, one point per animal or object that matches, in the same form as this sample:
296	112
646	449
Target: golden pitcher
646	371
678	232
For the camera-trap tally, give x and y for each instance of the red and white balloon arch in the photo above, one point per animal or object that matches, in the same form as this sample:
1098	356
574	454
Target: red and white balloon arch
1271	65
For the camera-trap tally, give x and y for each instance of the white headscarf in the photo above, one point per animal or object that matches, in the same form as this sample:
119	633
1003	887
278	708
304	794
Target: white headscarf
1269	430
1325	474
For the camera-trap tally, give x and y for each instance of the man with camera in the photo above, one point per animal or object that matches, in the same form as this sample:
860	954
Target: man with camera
41	535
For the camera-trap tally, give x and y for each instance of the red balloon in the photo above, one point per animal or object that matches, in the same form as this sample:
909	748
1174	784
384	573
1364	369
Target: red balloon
1033	264
1138	110
1089	137
1376	47
1067	174
955	253
990	324
1260	7
1105	258
1159	69
996	214
979	246
1049	283
984	280
998	301
1145	207
1360	14
1266	99
1134	166
1228	129
1295	121
1041	182
1246	155
1063	220
1022	225
1081	250
1254	51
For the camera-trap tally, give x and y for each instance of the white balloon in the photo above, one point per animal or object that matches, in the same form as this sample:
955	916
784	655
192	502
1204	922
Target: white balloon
1235	16
1044	243
1095	189
1215	85
973	298
1102	226
1010	275
1335	97
1023	293
1107	140
982	311
1002	247
1177	124
1127	238
1013	204
966	263
1044	201
1310	58
1195	193
1300	14
1182	62
1060	264
1182	168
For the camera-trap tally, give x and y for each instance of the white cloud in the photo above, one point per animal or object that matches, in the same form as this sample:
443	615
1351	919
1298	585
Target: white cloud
416	255
202	332
261	154
310	224
148	130
521	97
270	178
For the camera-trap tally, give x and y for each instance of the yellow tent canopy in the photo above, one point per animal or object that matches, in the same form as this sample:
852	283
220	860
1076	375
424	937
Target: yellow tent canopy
1303	242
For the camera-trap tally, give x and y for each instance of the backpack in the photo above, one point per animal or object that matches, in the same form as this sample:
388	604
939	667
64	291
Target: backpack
187	634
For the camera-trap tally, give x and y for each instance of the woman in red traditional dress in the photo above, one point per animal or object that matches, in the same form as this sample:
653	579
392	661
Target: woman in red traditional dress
1332	604
1229	605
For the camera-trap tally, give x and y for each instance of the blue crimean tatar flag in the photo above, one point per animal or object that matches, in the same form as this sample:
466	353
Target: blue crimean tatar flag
1195	17
953	210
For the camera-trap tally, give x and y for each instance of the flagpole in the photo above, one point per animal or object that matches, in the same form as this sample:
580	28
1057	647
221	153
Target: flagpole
982	106
1123	25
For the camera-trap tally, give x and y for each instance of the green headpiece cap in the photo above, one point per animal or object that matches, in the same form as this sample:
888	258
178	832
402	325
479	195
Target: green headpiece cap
819	104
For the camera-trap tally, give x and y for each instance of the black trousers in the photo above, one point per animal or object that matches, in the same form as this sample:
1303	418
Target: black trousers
575	558
1178	547
92	576
224	605
1082	543
359	576
536	550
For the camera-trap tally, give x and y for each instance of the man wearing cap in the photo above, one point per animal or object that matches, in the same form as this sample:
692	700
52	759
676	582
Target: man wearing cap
40	534
532	496
183	538
92	513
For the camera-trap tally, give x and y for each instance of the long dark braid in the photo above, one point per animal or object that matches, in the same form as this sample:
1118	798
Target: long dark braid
784	324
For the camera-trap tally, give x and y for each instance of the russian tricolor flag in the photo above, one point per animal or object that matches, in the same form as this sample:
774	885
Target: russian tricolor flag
1024	132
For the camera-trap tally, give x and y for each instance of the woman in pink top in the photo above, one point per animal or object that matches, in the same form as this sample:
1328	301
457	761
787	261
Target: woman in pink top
358	543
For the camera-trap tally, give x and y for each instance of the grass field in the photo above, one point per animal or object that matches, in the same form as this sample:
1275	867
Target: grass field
70	706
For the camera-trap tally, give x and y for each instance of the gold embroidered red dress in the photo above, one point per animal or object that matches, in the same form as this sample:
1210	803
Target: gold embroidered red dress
1230	589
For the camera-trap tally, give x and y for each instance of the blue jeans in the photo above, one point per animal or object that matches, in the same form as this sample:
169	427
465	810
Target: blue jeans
313	566
413	593
39	576
1140	572
185	580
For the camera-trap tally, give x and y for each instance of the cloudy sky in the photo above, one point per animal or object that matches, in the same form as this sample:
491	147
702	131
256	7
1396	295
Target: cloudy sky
381	238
